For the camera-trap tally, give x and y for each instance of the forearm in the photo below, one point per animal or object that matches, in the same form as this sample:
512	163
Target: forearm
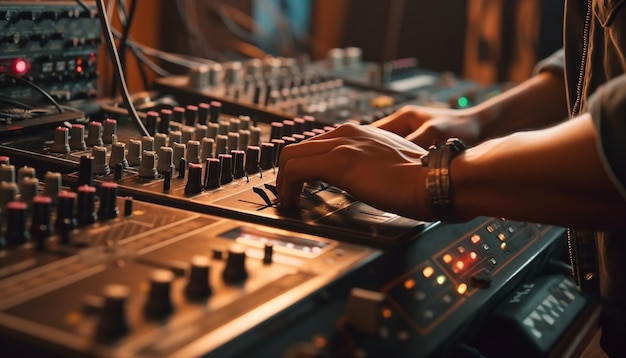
550	176
537	103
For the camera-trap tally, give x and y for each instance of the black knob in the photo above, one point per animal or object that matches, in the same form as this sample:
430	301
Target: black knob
238	159
235	270
178	114
252	159
226	168
198	286
65	219
164	123
268	252
203	113
152	118
16	233
194	180
108	201
267	156
216	108
85	208
277	130
159	303
212	175
191	115
113	323
40	223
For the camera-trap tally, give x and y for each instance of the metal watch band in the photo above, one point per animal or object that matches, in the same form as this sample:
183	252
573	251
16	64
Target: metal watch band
438	184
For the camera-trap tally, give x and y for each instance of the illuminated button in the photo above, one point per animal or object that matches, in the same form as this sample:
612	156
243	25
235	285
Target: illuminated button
473	255
20	66
460	249
491	228
501	236
503	246
461	288
441	279
459	265
475	239
409	284
428	271
447	258
386	312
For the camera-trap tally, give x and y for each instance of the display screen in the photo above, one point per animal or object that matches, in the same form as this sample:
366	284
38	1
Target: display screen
282	243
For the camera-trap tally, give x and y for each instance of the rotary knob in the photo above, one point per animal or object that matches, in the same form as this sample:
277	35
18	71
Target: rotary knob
159	303
198	286
113	323
235	270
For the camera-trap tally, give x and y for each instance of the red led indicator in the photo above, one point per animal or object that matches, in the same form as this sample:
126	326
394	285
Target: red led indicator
79	69
20	66
473	255
460	265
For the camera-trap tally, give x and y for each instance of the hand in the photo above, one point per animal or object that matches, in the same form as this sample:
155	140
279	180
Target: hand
375	166
425	126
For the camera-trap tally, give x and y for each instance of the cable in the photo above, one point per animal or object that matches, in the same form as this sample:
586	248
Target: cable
117	68
38	89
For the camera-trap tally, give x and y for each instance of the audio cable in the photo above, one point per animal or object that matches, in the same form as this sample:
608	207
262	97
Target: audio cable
117	68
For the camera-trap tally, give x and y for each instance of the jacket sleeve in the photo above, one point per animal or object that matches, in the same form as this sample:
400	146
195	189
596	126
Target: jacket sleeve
553	63
608	110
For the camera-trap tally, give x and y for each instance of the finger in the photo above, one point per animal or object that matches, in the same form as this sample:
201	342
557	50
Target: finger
294	173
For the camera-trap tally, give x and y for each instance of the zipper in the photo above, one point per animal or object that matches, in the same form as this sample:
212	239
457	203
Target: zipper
573	254
583	62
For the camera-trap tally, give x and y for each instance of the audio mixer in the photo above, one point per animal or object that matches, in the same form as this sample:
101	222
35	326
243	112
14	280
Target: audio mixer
89	273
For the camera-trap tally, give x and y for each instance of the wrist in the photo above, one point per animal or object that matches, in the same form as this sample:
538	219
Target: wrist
438	181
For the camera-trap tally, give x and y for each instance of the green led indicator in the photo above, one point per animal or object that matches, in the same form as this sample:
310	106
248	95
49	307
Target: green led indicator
462	102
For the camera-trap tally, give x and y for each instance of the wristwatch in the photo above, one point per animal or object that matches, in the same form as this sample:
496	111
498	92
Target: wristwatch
438	184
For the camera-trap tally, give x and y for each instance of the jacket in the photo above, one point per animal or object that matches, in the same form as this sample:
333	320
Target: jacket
593	64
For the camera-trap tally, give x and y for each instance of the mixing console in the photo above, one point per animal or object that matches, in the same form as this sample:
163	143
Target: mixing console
101	275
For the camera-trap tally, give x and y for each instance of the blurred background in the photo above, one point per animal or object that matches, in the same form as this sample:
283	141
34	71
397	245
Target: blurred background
486	41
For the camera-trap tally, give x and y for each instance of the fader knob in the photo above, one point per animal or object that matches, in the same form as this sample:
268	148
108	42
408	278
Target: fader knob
113	323
164	123
215	110
221	144
147	169
29	189
203	113
159	303
40	223
109	130
16	233
147	143
85	210
118	155
25	172
194	179
252	159
108	201
52	185
134	152
212	175
198	286
164	161
160	140
60	143
65	218
77	137
100	166
206	150
226	168
267	156
7	173
201	132
235	270
238	162
193	152
94	134
8	192
178	153
152	118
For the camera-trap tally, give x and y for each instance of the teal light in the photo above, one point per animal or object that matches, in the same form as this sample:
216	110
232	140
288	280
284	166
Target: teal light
462	102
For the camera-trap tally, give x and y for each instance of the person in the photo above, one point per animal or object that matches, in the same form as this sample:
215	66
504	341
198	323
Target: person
549	151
